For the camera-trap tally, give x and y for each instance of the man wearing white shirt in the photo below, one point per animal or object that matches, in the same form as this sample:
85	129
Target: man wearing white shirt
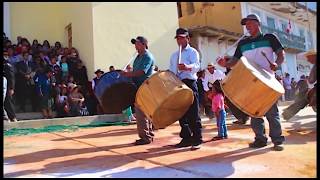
211	75
185	63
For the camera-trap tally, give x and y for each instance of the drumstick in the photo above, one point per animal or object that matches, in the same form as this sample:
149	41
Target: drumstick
264	54
271	64
179	59
132	58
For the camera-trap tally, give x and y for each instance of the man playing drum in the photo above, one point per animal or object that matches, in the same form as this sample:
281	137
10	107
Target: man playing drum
142	69
185	64
259	49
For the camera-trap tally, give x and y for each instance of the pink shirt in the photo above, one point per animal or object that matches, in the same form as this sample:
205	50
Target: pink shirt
217	102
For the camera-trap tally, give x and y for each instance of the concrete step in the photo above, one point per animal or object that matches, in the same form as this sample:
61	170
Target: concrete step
80	120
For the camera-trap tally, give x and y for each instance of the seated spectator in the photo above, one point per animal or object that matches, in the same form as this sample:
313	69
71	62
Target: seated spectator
43	88
46	46
44	57
64	68
76	100
60	53
70	80
72	60
7	43
25	42
12	58
24	49
111	68
55	67
34	47
80	76
57	47
39	65
62	105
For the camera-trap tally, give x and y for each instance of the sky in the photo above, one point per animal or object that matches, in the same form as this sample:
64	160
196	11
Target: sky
311	5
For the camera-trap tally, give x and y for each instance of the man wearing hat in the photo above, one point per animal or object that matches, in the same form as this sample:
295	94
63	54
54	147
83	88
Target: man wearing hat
304	96
186	70
259	49
142	69
312	58
211	75
96	80
94	106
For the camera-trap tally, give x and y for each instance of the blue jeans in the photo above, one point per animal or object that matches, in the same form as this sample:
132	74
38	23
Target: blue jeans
221	123
275	131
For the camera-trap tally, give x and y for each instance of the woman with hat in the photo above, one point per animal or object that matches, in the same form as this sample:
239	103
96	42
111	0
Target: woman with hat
76	100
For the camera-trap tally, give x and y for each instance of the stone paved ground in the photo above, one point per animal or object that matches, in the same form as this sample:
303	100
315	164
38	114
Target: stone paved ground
108	152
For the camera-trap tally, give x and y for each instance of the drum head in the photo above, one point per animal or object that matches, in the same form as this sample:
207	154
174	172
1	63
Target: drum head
172	109
118	97
264	76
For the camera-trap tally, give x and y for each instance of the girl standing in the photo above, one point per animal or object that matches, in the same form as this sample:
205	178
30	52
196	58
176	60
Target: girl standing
217	97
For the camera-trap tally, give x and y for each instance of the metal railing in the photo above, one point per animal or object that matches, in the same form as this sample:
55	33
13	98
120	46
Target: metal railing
287	40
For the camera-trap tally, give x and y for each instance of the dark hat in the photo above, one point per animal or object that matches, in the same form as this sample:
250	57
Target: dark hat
141	39
250	17
181	32
98	71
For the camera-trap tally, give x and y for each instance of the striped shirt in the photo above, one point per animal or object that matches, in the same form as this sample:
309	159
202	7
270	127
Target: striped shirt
252	49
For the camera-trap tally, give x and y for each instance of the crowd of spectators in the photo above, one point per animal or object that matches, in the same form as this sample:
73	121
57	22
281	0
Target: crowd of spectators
52	78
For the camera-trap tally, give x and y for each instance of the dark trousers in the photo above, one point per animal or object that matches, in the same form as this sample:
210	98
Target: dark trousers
191	122
9	107
300	102
25	92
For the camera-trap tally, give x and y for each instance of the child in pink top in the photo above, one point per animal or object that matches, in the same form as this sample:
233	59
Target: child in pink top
219	111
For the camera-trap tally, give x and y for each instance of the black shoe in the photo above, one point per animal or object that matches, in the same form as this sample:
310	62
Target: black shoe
142	142
183	143
216	138
195	146
257	144
239	122
278	147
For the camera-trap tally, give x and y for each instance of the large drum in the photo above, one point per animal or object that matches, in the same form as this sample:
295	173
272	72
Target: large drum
164	98
115	92
252	89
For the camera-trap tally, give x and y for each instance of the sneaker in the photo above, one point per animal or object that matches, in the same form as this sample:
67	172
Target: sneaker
195	146
278	147
183	143
141	142
257	144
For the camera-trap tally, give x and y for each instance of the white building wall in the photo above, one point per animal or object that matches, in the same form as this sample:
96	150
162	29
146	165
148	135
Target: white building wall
211	49
6	19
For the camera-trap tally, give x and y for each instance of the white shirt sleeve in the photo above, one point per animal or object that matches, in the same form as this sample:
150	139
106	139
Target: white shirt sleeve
92	84
205	82
195	62
173	66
